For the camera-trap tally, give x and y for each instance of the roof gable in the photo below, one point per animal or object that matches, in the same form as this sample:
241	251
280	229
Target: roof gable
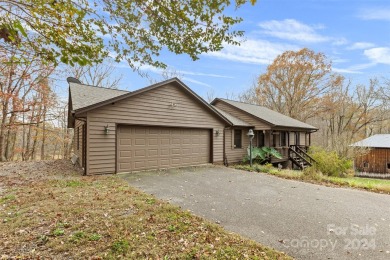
234	120
375	141
96	100
272	117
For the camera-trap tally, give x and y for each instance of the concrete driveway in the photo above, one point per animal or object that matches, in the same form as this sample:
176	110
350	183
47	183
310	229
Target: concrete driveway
304	220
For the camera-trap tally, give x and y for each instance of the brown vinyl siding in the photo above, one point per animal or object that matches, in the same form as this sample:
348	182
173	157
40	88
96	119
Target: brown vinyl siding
234	155
377	160
78	141
151	108
257	123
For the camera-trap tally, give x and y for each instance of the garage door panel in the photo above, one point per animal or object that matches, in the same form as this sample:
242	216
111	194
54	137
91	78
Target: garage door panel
165	131
186	151
140	131
187	140
164	152
124	165
139	153
153	153
176	151
139	164
153	141
164	141
153	131
176	141
153	163
140	141
125	142
165	162
176	161
142	148
126	130
125	154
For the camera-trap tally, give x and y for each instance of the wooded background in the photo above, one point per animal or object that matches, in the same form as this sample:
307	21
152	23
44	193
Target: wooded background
299	84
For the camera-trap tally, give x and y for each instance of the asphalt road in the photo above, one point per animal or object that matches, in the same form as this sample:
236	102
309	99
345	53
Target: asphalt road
304	220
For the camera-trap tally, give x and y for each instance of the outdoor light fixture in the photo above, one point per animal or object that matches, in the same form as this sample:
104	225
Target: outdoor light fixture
217	132
106	130
250	134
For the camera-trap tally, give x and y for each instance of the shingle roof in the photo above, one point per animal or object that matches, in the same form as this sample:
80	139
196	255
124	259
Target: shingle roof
234	120
377	141
86	95
268	115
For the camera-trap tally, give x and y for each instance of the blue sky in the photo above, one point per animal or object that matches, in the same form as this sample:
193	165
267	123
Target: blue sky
354	35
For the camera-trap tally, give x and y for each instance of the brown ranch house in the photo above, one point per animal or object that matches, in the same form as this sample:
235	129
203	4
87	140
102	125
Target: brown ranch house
167	125
375	162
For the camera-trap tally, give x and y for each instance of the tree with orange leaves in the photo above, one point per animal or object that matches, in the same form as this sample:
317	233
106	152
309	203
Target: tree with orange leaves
294	83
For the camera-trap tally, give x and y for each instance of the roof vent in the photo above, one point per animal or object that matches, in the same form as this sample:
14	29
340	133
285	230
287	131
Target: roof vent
73	80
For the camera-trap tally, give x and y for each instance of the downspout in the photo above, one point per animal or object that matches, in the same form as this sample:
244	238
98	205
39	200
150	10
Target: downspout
225	160
85	148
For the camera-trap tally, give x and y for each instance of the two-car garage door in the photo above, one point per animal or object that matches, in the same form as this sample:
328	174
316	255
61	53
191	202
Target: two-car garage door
150	147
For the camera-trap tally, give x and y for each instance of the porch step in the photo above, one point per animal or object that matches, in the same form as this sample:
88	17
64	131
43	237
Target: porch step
300	158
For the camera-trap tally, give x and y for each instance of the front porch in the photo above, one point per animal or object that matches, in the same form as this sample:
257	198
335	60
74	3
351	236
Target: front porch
292	145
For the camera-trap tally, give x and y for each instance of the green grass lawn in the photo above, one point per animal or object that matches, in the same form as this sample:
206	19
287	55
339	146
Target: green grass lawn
374	185
48	210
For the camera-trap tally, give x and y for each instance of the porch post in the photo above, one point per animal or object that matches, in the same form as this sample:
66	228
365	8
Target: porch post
288	138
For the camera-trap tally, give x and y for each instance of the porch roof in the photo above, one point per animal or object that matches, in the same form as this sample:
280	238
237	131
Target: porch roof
274	118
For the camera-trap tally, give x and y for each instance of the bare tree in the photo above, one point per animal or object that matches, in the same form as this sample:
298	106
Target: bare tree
165	74
230	95
350	115
210	95
102	74
19	82
250	96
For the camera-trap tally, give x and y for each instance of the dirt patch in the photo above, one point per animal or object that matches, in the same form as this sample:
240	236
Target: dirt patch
39	169
27	173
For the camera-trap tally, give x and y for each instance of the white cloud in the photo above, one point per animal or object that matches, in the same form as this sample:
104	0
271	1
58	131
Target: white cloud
345	71
362	66
182	72
378	55
196	82
253	52
179	72
375	14
185	72
355	69
361	46
290	29
339	60
339	41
